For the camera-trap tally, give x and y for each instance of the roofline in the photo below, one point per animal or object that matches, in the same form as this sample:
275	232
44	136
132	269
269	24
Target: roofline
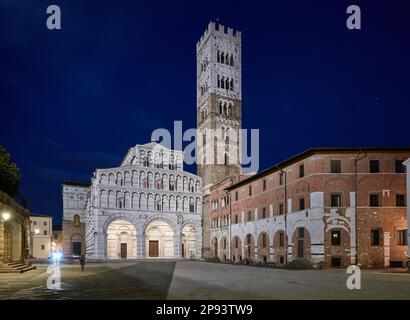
76	183
39	215
311	151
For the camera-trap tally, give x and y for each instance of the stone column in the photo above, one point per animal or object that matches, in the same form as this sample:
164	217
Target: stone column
140	246
407	164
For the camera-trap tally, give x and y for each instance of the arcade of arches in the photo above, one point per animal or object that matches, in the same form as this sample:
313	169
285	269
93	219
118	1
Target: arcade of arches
159	241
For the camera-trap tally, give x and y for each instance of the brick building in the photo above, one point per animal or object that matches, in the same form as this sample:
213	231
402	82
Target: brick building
305	208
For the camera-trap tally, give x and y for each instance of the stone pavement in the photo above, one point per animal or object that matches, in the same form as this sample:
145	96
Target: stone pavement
199	280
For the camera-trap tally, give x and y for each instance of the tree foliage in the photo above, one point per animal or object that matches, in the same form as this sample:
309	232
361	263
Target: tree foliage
9	174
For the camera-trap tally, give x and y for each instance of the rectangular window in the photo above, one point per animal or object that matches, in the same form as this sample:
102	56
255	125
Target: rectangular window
375	237
302	204
264	213
335	166
249	215
55	236
250	190
236	242
374	200
374	166
236	218
400	167
34	223
45	232
281	210
400	200
45	223
301	171
236	196
402	237
249	239
336	200
264	185
336	238
281	178
43	247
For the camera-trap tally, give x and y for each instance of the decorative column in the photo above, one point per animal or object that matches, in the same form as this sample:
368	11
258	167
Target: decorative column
140	246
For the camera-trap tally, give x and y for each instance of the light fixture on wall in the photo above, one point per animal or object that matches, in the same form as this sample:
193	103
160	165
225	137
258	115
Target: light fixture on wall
36	231
6	216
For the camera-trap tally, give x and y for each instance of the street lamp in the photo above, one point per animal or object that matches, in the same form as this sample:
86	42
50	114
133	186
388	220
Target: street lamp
6	216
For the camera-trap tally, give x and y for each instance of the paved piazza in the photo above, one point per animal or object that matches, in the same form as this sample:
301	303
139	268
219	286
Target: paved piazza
199	280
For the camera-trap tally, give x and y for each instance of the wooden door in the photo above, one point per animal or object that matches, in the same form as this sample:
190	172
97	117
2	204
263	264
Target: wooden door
123	251
153	248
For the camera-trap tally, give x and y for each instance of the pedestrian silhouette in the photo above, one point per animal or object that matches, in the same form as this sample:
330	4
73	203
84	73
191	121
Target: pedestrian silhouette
82	262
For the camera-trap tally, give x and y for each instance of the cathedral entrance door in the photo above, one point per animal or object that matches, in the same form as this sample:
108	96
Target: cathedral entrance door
123	251
153	248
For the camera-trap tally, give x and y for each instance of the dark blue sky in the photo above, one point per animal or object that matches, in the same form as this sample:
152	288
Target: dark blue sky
76	99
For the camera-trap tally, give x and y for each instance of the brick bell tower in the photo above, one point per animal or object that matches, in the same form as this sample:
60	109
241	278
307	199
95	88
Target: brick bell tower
219	112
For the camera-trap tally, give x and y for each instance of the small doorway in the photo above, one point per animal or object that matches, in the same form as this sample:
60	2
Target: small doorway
153	248
183	250
76	249
123	251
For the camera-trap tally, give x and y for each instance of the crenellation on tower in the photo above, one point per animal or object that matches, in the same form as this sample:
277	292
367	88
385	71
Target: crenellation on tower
219	110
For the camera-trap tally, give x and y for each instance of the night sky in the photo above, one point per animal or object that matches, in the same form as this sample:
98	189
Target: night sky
76	99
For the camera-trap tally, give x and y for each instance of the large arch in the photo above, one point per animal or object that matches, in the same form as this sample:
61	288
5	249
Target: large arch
224	249
301	243
121	240
236	246
214	247
249	246
263	247
159	239
188	241
279	243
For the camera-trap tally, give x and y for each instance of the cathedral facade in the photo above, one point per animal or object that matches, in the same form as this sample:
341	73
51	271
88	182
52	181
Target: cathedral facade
148	207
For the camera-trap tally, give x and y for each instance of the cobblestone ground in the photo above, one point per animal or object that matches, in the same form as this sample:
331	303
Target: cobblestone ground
141	280
199	280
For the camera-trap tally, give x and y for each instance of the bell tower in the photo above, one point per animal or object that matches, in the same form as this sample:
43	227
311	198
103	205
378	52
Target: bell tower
219	110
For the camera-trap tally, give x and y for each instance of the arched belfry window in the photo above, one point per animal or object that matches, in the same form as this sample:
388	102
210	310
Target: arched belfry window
76	220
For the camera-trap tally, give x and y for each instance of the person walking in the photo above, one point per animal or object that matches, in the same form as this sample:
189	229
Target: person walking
82	262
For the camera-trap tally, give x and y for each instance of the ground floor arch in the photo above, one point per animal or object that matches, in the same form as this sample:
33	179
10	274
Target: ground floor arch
159	240
188	241
121	240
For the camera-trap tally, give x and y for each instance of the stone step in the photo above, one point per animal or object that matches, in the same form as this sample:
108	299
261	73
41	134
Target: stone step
15	267
27	268
13	263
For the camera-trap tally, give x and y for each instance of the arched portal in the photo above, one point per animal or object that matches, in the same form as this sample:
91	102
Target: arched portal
188	241
121	240
159	240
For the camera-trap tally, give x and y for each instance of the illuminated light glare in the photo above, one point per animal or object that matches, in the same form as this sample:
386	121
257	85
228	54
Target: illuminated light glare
57	255
6	216
36	231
